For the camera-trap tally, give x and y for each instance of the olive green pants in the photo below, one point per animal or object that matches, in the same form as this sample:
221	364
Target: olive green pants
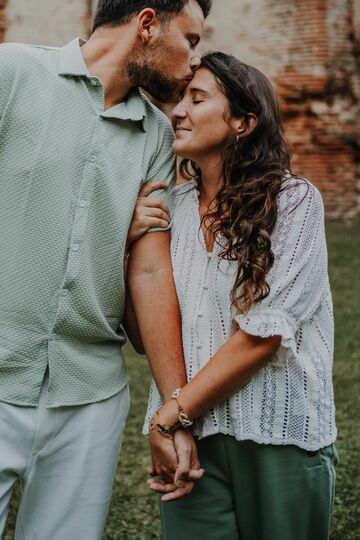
255	492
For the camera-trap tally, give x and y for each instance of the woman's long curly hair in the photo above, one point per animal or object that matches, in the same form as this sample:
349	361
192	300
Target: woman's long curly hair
254	170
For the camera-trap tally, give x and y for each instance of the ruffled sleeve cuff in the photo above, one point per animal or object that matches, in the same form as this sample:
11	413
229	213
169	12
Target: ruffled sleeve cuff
270	322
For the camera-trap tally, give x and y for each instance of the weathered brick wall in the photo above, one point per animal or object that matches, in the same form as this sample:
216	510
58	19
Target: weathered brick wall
2	19
309	48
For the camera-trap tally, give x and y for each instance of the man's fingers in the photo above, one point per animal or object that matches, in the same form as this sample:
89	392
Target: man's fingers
151	471
196	474
149	187
183	469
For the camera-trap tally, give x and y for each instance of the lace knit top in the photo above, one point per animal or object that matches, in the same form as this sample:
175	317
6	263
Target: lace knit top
289	400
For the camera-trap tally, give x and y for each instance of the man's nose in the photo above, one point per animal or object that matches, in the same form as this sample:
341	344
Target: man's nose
195	62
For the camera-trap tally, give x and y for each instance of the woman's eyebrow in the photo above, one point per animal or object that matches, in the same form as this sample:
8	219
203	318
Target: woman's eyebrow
195	90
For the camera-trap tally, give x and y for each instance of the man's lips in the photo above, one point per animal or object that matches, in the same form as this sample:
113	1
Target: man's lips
180	128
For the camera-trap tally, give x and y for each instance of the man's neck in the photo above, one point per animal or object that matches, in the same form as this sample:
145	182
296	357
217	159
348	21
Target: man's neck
105	54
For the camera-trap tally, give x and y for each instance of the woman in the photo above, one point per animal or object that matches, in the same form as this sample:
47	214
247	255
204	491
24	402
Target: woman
250	267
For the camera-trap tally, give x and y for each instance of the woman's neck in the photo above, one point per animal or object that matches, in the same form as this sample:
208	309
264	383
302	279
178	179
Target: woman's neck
211	179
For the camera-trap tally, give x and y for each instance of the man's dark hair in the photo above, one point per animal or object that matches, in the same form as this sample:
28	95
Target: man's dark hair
115	12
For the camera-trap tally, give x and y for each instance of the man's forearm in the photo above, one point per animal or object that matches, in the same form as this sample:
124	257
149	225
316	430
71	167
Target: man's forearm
157	311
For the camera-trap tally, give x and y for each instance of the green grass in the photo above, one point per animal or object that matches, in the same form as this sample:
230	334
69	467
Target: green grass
134	511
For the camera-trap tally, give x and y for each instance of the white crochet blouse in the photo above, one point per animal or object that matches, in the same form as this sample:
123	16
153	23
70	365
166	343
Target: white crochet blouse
290	400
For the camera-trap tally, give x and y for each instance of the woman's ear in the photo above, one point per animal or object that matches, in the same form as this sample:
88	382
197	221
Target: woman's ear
245	125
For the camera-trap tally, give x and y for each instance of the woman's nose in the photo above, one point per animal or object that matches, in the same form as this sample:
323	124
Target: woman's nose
178	112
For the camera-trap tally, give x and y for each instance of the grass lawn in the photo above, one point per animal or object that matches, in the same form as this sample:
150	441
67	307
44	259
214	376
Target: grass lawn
134	513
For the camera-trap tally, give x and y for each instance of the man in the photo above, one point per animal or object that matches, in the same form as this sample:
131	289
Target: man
77	140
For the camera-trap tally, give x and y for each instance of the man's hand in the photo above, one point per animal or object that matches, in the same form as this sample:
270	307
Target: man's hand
187	470
148	212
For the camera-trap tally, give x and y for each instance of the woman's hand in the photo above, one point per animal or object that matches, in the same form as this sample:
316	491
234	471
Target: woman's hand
148	212
179	482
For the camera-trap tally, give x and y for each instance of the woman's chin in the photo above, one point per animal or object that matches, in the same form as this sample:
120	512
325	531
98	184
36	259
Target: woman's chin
182	150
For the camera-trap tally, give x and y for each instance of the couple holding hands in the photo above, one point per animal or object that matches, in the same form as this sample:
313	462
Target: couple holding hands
226	288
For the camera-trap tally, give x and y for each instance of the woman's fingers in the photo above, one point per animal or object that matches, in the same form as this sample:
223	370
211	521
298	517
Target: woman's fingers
153	203
160	486
149	187
179	493
157	213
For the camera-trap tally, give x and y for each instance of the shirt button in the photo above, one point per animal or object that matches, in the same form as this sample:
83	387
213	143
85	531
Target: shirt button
206	286
75	247
64	292
200	314
199	346
83	203
93	82
92	158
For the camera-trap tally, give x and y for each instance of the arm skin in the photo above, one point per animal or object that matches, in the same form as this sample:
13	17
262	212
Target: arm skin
156	308
226	372
148	213
131	325
157	312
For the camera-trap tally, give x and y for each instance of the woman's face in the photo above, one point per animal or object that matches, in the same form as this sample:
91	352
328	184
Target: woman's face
199	119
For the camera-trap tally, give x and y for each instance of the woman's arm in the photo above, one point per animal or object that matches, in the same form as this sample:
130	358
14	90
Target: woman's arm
148	213
226	372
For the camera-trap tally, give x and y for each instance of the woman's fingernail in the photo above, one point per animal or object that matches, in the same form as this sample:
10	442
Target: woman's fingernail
180	483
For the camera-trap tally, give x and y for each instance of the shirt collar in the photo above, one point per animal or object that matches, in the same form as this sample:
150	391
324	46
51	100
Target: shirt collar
132	108
71	60
72	63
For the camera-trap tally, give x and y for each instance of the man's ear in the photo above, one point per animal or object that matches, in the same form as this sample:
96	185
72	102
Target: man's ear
148	24
245	125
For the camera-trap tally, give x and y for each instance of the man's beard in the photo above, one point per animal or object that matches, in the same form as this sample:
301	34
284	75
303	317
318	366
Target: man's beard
162	88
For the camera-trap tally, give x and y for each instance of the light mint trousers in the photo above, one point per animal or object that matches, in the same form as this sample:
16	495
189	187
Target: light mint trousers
66	460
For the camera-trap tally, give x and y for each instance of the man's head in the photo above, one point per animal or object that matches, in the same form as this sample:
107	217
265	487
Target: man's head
115	12
163	55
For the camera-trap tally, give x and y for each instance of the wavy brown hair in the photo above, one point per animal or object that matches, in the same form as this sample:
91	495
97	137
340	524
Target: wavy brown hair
255	167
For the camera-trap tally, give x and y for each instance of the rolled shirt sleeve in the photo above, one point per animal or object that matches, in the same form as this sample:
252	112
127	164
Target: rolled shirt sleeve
298	279
163	168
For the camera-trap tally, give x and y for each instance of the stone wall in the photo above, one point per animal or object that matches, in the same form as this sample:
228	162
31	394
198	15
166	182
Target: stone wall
309	48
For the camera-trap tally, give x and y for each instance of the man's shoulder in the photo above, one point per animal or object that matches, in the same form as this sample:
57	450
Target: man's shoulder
156	119
23	57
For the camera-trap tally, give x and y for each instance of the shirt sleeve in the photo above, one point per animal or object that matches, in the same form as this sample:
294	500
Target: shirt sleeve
298	279
163	167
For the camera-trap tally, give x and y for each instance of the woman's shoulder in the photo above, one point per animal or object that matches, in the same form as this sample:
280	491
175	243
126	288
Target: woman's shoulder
298	194
184	192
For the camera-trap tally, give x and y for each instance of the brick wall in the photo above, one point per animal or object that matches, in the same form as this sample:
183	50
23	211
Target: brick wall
310	50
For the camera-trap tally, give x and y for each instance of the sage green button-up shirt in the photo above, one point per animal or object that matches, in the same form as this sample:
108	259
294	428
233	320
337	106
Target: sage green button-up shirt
70	175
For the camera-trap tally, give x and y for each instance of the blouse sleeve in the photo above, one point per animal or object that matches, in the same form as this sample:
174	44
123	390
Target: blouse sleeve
298	278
